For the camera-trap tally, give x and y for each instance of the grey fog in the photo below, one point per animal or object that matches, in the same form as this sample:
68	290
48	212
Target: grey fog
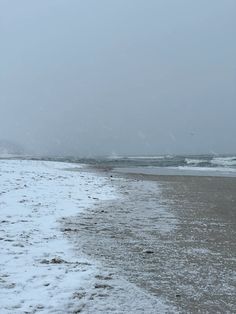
118	77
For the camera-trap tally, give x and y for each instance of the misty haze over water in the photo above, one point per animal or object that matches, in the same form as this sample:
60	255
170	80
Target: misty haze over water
89	78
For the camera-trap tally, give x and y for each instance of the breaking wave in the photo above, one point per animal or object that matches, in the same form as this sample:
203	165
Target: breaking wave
196	162
224	161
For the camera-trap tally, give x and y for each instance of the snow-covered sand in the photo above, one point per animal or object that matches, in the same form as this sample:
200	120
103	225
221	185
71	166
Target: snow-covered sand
39	270
34	196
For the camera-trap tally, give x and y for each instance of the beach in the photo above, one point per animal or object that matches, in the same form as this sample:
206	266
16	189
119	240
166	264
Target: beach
82	239
172	236
42	270
39	270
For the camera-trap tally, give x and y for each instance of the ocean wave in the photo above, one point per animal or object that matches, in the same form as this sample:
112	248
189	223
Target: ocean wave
160	157
224	161
194	161
148	157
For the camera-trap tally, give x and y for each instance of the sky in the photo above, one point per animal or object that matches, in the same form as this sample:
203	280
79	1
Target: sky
128	77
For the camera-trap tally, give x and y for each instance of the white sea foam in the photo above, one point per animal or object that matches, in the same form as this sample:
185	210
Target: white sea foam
190	161
224	161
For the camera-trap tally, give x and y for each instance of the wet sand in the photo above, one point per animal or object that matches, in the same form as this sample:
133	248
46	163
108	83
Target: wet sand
173	236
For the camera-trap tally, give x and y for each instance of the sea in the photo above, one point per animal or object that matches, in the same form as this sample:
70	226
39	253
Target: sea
199	165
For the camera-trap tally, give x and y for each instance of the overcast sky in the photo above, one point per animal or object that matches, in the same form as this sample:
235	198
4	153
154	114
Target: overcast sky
118	76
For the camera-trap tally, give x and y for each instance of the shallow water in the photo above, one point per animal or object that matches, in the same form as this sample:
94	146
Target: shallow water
181	171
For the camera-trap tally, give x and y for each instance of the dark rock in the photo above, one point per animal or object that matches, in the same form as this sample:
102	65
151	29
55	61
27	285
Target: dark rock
102	286
149	252
70	230
57	260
